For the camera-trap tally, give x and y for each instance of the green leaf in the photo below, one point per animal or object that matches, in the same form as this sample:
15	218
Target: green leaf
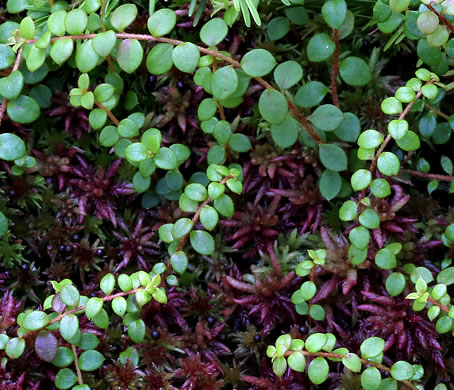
215	190
179	261
209	217
70	295
240	143
334	12
124	282
15	347
35	58
369	219
287	74
23	110
97	118
69	325
359	237
372	347
258	63
136	152
202	242
136	331
186	57
286	133
63	358
278	28
352	362
405	94
391	106
196	192
388	164
398	128
61	50
166	159
119	306
224	206
315	342
402	371
385	259
380	188
320	47
273	106
330	184
318	370
56	23
409	142
88	341
311	94
123	16
86	57
279	365
129	55
446	276
65	379
107	284
361	179
90	360
76	22
355	71
235	186
348	211
93	307
395	283
327	117
371	378
11	147
162	22
333	157
3	224
182	227
213	32
224	82
370	139
446	164
159	60
297	362
103	43
7	57
35	320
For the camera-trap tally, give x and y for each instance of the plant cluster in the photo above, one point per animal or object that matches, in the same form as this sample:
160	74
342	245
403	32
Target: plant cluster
272	179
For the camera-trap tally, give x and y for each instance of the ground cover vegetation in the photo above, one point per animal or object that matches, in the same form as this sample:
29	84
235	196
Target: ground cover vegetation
226	194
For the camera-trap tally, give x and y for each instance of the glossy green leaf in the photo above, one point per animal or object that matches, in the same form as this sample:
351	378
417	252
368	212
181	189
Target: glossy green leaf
186	57
311	94
90	360
333	157
70	295
258	63
318	370
209	217
35	320
213	32
334	12
224	82
86	57
161	22
76	22
123	16
129	55
159	59
103	43
330	184
7	56
277	28
23	109
136	331
93	307
273	106
202	242
354	71
179	261
370	378
320	47
65	379
11	147
119	306
69	325
61	50
63	358
327	117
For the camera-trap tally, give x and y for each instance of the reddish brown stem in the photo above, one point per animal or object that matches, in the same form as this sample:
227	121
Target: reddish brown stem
76	363
144	37
5	102
431	176
441	17
112	117
441	306
335	69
